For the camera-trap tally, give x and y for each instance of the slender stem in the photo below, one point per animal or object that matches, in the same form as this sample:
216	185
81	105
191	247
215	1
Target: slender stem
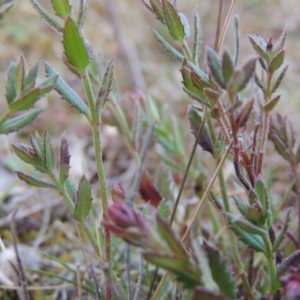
187	52
225	27
297	186
218	28
95	121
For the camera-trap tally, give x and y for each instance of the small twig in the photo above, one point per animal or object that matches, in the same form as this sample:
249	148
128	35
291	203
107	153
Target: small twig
237	40
218	28
21	270
251	270
140	278
115	291
96	282
226	24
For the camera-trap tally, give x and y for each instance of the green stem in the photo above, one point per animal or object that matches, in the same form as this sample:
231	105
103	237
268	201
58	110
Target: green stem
272	266
187	52
95	121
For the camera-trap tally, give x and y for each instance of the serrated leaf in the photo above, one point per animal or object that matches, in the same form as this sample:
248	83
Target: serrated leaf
279	79
62	8
30	78
11	92
227	66
29	159
49	154
271	104
28	100
35	181
174	53
67	92
197	37
106	86
197	97
186	78
157	9
277	61
74	46
244	113
16	123
254	241
184	271
84	201
248	227
46	16
221	272
215	67
169	237
186	26
64	164
200	74
173	21
83	8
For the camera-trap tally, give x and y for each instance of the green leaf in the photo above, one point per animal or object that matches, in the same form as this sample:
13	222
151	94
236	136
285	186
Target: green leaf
46	16
64	164
195	96
16	123
221	272
173	21
254	241
277	61
30	79
169	237
49	154
11	92
240	78
67	92
279	79
38	146
157	9
62	8
197	37
259	46
70	189
186	25
106	85
280	43
83	8
35	181
74	46
248	226
227	66
174	53
242	207
20	75
163	181
29	159
282	233
185	271
84	201
215	67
